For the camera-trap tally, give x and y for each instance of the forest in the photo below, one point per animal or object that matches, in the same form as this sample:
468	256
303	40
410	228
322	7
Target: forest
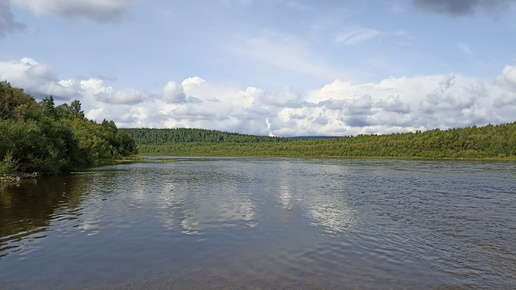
487	142
181	135
40	137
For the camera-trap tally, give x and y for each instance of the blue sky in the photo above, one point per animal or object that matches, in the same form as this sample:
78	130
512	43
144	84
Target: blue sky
269	67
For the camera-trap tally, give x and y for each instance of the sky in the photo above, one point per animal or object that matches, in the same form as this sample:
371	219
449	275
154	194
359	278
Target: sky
268	67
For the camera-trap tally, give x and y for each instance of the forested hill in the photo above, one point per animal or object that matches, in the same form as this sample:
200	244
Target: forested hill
491	141
181	135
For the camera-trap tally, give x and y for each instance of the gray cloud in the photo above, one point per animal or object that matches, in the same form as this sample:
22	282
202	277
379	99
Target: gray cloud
333	104
450	97
174	93
357	121
462	7
7	22
360	106
123	97
395	105
506	99
321	120
194	101
100	11
287	97
393	119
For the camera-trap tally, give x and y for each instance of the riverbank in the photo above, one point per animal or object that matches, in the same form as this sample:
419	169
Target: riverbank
311	149
16	177
491	142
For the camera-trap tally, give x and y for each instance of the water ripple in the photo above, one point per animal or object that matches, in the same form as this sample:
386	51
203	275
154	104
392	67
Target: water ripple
264	223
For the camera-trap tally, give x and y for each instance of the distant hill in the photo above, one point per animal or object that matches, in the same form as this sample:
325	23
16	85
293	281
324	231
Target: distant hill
315	137
491	141
147	136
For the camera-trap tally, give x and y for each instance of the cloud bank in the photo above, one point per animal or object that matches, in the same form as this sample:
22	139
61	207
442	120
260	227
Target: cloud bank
337	108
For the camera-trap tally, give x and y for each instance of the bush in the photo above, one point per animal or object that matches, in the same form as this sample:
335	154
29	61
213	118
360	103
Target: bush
8	166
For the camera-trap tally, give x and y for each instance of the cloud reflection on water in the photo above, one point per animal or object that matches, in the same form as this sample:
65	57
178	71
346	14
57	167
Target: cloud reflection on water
216	214
221	196
325	208
202	202
224	199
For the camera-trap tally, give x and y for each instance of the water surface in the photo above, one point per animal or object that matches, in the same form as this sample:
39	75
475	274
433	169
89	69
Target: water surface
261	223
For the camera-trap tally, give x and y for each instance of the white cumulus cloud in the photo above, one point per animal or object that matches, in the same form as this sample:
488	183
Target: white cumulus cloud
36	78
173	93
288	97
94	87
337	108
508	81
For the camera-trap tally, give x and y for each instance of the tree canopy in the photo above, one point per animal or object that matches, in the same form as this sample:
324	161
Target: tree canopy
182	135
40	137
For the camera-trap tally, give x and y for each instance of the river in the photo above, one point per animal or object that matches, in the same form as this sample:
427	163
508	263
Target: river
263	223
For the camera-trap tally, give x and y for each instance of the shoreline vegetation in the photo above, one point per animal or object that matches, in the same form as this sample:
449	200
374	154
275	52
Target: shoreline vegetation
38	138
491	142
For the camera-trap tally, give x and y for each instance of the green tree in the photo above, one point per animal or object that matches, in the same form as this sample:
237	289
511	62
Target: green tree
39	137
49	107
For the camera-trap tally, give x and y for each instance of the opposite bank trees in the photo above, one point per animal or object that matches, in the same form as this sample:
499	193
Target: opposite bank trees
40	137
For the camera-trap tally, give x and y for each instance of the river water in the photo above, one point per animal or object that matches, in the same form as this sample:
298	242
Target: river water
263	223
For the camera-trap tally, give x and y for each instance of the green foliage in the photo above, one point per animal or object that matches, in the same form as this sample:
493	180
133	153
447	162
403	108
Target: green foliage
13	102
8	165
38	137
165	136
466	143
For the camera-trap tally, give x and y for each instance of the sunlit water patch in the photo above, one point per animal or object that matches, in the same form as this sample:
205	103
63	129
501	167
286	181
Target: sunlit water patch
263	223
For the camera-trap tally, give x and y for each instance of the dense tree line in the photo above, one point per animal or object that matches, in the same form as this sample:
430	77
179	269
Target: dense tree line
180	135
41	137
473	142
